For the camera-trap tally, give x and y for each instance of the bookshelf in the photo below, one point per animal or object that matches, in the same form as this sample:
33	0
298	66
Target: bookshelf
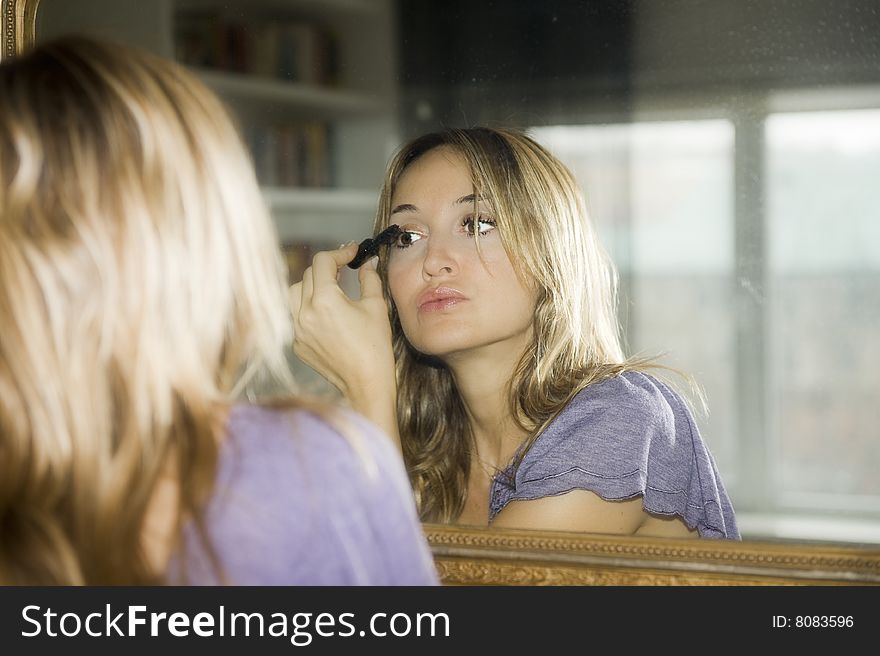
256	95
332	99
339	100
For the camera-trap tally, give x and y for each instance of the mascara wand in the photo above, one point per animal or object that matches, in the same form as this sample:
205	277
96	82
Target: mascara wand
370	247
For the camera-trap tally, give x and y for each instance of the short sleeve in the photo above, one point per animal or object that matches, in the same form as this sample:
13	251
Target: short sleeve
626	437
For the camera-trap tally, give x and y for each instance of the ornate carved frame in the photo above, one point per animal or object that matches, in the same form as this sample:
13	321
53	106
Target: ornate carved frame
476	556
19	25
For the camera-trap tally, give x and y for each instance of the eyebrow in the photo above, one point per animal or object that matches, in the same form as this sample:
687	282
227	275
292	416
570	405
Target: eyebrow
406	207
470	198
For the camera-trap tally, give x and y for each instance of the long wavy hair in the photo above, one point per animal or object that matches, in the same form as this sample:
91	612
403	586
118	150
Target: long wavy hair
141	292
546	233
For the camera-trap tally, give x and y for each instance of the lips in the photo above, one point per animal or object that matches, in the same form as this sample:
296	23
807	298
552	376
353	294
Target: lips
441	298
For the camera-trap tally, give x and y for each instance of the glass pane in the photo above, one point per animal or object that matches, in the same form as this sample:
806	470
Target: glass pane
661	194
823	204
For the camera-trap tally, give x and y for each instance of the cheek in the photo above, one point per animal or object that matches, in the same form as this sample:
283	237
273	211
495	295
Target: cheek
508	285
521	301
497	265
400	261
397	283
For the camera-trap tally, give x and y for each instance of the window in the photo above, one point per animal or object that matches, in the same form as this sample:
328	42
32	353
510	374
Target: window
823	256
663	197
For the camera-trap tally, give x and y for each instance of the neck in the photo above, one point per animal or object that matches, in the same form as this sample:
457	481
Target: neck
482	378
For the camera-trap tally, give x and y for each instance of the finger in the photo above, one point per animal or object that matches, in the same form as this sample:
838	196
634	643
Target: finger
308	285
294	296
371	283
326	264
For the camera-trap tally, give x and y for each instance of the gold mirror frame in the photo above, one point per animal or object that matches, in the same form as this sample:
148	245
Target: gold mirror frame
19	26
478	556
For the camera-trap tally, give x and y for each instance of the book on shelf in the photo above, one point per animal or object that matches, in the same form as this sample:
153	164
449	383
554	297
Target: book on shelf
296	50
292	155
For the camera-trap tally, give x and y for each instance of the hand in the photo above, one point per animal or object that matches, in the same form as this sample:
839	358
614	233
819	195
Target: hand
347	341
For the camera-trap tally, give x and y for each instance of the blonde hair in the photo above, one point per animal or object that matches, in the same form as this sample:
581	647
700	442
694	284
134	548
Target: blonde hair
547	234
141	292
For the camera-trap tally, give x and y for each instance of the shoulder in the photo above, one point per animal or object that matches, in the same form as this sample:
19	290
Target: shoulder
633	398
617	417
333	440
322	495
333	446
600	441
625	437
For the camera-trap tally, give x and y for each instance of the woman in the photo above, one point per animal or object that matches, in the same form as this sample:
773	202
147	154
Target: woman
500	373
142	295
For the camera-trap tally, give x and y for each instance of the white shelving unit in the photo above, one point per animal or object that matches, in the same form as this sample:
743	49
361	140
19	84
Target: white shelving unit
257	94
359	107
322	216
283	199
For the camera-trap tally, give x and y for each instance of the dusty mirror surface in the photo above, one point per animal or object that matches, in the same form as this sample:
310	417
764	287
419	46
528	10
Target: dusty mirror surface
729	154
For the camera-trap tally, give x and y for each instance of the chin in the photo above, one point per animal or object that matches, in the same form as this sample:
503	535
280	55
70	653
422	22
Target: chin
442	344
441	350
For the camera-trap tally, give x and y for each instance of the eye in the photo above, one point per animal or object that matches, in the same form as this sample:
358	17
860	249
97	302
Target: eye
407	238
485	225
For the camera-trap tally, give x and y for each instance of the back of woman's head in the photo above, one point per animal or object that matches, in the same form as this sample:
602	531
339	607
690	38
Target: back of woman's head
140	289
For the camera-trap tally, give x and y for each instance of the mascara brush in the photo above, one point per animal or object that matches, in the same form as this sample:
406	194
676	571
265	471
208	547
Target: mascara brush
370	247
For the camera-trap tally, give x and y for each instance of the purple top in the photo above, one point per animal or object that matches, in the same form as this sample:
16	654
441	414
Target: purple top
296	503
624	437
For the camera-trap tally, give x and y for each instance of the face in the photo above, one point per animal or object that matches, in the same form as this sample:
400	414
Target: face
451	298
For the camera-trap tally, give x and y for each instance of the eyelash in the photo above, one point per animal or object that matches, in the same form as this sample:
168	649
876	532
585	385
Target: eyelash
467	223
405	233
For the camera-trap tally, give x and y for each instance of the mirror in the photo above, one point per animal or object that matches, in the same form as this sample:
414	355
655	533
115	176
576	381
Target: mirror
729	154
469	556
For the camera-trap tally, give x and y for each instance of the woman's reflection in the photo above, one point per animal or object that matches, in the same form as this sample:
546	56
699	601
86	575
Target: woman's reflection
516	406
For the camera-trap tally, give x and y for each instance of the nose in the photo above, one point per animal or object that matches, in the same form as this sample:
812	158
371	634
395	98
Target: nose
440	260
